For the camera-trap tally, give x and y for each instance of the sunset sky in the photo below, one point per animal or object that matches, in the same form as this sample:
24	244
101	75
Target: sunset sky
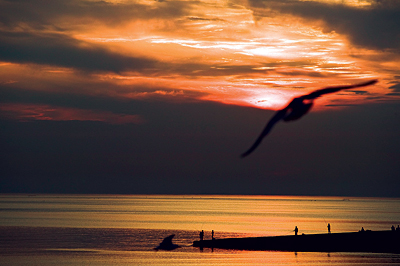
163	96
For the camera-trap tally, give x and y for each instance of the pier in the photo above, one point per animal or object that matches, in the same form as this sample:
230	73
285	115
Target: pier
363	241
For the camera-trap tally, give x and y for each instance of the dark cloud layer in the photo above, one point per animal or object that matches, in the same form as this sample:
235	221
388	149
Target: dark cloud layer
41	14
194	148
64	51
395	89
374	27
73	99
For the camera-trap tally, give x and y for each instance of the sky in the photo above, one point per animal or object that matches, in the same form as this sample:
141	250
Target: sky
162	97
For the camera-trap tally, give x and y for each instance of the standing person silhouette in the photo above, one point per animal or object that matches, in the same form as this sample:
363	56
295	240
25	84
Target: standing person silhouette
329	228
296	230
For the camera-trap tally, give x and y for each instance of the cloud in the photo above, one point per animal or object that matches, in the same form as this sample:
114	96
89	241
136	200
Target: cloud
376	26
395	90
29	112
43	32
41	14
211	54
60	50
360	92
130	106
64	51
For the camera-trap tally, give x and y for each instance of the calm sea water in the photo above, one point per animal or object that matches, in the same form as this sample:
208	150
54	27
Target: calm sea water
123	230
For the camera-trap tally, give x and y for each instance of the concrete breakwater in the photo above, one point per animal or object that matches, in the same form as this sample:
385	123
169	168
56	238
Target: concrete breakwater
366	241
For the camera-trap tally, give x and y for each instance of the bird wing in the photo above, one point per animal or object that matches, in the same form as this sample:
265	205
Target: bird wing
282	113
278	116
318	93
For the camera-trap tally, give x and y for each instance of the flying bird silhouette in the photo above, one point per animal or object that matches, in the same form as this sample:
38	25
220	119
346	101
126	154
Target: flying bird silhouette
298	107
167	244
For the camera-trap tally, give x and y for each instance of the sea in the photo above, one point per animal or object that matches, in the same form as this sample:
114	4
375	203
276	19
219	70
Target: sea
125	229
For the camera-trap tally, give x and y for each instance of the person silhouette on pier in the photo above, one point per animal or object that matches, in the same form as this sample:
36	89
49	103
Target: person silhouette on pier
329	228
296	230
201	235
